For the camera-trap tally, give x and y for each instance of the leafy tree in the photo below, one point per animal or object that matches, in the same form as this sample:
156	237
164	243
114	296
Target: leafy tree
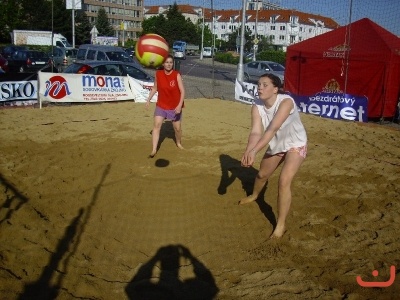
35	15
10	16
82	28
173	26
264	44
231	44
103	26
155	24
180	28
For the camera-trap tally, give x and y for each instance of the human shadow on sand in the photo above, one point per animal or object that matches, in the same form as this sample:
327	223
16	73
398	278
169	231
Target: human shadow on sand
173	273
14	200
50	281
231	170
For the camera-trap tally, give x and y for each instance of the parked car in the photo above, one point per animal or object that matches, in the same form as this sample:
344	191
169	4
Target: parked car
28	61
130	52
63	57
7	51
207	52
3	65
110	68
254	69
179	54
88	52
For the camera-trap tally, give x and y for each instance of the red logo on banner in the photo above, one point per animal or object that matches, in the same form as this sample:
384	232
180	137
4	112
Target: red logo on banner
57	87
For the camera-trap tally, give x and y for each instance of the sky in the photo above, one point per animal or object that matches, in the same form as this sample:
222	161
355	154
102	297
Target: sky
385	13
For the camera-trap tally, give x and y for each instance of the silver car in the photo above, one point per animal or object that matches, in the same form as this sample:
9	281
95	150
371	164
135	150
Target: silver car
62	57
179	54
254	69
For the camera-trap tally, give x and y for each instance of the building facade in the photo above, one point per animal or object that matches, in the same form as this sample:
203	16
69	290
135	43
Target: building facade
282	27
125	16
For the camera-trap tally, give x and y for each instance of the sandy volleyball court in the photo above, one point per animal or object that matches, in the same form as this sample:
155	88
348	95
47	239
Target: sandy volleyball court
84	213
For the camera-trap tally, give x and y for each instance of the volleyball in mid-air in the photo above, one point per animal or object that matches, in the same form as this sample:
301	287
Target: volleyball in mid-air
151	50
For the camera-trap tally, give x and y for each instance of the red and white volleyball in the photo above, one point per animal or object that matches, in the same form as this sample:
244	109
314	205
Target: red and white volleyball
151	50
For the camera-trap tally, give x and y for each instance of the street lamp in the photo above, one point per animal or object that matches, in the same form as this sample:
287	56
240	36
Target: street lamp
255	46
123	26
239	75
202	35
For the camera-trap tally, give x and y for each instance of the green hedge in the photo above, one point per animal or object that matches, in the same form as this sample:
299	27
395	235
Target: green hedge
272	55
226	58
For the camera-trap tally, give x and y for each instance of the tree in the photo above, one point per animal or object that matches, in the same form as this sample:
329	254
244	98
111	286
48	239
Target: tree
10	16
34	15
82	28
172	27
103	26
62	19
155	24
231	44
264	44
180	28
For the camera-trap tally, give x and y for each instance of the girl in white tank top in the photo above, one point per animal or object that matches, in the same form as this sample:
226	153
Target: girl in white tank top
276	125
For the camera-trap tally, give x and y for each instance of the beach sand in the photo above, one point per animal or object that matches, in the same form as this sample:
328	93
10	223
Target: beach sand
86	214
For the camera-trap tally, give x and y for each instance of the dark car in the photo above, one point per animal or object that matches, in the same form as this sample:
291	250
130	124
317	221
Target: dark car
29	61
254	69
7	51
110	68
130	52
3	65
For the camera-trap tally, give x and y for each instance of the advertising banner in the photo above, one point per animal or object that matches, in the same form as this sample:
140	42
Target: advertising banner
18	90
62	87
337	106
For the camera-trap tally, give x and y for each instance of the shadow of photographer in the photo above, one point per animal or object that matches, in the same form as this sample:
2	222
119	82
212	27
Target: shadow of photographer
173	273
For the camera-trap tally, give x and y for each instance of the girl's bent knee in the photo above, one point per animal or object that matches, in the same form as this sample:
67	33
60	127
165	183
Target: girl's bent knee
261	176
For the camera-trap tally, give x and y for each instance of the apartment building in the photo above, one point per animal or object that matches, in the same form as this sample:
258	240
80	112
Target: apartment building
283	27
125	16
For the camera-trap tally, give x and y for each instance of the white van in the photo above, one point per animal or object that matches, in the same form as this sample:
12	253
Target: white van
207	52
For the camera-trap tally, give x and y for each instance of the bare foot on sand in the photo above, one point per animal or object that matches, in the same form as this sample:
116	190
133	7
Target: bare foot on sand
248	199
278	232
180	146
152	154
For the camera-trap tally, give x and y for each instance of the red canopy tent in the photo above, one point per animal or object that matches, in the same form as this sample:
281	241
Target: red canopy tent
361	59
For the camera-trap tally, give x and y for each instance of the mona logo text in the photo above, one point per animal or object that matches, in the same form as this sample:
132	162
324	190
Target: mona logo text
102	83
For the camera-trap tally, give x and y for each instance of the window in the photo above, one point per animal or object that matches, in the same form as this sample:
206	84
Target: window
90	54
272	27
282	28
281	37
253	65
101	55
264	67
